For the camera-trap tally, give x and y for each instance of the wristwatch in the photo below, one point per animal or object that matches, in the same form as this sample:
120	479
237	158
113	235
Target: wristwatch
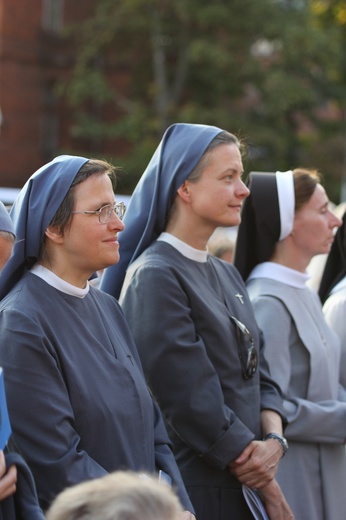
283	442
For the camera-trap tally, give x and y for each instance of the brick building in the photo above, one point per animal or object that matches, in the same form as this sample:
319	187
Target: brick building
33	59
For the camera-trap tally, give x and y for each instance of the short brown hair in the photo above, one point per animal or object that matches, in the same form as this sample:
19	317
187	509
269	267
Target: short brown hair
305	182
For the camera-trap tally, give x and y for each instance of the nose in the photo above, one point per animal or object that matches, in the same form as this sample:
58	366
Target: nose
334	220
242	190
116	223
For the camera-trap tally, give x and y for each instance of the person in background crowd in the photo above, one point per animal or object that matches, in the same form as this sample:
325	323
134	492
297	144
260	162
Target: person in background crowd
7	236
8	478
332	292
23	503
78	400
118	496
285	222
194	326
222	247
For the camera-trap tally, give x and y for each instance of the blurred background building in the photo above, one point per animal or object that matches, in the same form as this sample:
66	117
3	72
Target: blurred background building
35	57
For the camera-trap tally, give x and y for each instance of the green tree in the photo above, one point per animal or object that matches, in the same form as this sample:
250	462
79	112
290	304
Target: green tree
330	17
260	69
157	62
298	117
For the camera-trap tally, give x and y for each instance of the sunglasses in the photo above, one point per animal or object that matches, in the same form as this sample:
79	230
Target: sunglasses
246	349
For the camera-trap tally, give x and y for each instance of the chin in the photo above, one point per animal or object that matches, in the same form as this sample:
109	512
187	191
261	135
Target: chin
114	260
235	221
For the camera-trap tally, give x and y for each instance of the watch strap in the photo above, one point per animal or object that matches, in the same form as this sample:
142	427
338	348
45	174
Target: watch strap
283	442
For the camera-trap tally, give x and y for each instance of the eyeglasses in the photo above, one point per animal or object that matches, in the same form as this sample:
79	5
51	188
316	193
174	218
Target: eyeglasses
105	213
246	350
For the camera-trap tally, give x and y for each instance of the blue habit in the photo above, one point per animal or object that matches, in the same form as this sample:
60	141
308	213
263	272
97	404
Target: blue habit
77	397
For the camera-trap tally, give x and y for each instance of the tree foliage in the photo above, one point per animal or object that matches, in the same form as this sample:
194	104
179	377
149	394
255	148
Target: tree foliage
273	72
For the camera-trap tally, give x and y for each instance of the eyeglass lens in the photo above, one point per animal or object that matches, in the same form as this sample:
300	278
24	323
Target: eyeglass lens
107	212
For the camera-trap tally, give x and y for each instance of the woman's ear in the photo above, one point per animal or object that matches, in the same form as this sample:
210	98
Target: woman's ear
184	191
54	234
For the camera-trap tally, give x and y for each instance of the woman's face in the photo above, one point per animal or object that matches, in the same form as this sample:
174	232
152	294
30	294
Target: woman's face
218	194
314	223
88	245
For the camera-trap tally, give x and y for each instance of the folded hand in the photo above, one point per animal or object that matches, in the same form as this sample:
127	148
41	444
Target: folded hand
257	465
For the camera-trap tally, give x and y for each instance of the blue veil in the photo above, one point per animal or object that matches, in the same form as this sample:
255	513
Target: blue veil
32	212
174	159
6	223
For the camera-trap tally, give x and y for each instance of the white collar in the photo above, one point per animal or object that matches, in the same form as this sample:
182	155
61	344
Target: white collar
58	283
280	273
189	252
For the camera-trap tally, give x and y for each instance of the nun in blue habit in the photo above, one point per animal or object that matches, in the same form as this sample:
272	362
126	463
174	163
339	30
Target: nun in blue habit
186	310
78	401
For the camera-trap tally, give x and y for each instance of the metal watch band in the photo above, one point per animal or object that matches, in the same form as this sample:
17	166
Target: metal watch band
283	442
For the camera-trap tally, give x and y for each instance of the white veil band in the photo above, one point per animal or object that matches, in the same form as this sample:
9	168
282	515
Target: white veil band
285	186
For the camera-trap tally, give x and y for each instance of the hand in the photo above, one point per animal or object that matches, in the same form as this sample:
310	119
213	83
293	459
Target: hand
186	515
275	503
257	465
7	480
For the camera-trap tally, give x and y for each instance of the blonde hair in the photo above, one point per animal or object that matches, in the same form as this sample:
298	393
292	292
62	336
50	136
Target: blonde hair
118	496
